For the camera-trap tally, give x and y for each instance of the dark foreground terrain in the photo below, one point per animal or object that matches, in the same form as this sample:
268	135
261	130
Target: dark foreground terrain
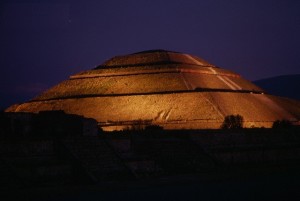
48	160
263	183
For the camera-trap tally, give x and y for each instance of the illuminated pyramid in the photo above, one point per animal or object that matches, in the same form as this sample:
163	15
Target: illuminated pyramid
165	88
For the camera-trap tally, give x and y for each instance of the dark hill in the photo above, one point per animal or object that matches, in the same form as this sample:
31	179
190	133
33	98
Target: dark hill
285	85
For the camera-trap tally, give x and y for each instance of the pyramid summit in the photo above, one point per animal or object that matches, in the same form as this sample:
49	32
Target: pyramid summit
152	57
158	87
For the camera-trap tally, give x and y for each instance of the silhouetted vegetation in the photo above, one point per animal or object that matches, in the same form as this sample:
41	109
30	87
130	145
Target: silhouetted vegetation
142	125
45	124
282	124
4	122
233	122
154	127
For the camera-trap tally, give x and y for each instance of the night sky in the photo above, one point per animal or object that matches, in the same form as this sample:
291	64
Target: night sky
45	41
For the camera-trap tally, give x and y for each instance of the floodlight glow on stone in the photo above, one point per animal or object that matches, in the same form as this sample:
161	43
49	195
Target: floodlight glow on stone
170	89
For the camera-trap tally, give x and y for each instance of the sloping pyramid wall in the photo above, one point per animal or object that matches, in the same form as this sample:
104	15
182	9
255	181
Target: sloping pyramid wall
174	90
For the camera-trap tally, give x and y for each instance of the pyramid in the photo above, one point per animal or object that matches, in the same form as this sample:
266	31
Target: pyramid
157	87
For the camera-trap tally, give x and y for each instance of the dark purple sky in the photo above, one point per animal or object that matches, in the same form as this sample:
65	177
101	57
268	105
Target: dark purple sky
45	41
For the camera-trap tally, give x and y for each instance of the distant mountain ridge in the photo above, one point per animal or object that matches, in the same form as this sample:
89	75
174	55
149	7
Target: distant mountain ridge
285	85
